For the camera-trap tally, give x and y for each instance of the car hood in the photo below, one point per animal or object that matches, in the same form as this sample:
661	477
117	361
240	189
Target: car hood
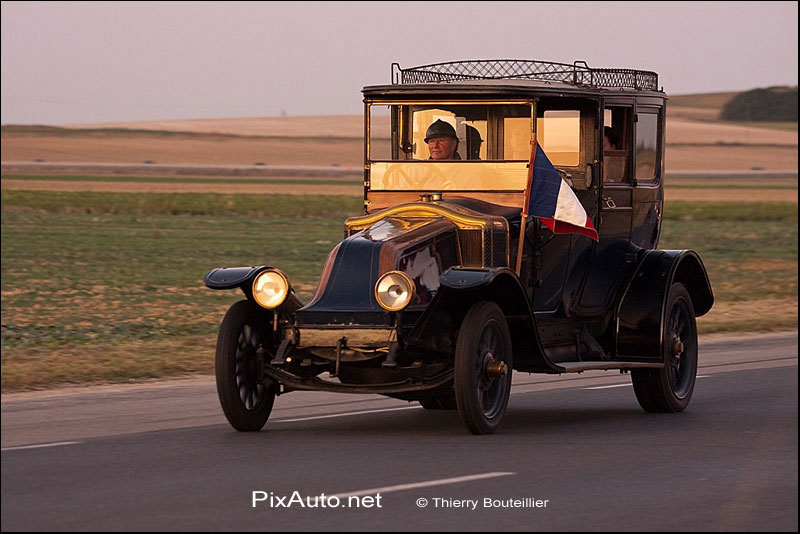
420	239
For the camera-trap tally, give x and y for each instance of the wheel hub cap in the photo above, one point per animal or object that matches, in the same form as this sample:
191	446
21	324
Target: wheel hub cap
677	347
492	368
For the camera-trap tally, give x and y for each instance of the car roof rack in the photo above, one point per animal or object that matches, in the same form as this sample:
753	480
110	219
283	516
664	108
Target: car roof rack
578	73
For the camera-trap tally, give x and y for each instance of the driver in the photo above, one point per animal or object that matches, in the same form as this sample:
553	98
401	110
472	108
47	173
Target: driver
442	141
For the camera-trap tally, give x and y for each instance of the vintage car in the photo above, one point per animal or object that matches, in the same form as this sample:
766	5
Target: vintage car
448	281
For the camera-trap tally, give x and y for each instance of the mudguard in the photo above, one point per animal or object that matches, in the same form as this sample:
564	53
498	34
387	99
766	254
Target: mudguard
232	277
242	277
641	310
459	289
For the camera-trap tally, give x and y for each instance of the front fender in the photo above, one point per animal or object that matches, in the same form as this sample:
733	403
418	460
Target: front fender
641	309
242	277
460	288
232	277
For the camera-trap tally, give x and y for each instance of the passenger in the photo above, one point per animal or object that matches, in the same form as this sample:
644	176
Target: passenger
610	139
613	166
442	141
474	142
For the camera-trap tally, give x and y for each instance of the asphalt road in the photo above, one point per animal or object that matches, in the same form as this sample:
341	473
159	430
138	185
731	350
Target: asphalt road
573	453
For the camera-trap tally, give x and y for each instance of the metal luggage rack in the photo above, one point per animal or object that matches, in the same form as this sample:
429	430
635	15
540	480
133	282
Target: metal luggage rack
578	73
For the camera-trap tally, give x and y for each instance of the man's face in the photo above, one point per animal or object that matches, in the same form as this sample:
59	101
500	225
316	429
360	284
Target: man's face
442	147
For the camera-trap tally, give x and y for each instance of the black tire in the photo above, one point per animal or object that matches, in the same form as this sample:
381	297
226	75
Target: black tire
483	336
246	402
444	402
670	388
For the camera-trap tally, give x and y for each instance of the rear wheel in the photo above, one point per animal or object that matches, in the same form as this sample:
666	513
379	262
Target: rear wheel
483	365
243	346
670	388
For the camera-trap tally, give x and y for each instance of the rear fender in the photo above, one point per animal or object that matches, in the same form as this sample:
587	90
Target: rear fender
641	310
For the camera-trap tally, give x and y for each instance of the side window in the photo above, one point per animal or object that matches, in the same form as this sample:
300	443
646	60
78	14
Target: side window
616	144
380	135
646	146
559	134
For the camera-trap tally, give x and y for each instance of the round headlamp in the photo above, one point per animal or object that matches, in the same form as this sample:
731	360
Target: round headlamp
394	290
270	288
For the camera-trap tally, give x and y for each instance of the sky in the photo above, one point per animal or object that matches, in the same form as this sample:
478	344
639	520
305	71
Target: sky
88	62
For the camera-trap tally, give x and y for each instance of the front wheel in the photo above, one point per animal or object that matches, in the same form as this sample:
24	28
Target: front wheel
483	365
670	388
243	346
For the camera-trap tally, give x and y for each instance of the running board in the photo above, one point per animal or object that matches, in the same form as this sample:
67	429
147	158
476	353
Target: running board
579	367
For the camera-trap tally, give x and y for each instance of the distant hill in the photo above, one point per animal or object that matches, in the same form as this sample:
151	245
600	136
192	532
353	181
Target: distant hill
708	107
770	104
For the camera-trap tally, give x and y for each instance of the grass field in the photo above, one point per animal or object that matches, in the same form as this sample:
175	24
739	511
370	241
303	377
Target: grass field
108	286
694	187
99	287
102	275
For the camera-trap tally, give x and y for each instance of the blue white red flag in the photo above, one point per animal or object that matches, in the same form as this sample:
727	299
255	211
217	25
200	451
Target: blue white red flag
551	199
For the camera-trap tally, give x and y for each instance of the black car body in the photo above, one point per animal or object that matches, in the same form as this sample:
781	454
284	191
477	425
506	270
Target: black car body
432	296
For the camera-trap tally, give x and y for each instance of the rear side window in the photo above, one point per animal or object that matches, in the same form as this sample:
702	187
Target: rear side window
646	146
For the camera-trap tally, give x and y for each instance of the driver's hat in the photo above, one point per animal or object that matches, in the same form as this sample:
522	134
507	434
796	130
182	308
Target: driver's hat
440	128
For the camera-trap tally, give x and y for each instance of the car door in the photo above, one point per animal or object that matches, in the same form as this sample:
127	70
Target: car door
613	255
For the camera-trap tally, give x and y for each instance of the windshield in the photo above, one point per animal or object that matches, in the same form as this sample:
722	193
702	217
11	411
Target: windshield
450	132
449	147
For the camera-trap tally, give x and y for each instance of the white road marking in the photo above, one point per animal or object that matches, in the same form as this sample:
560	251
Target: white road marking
612	386
427	484
41	446
630	384
345	414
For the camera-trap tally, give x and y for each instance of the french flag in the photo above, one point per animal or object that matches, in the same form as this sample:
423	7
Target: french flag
551	199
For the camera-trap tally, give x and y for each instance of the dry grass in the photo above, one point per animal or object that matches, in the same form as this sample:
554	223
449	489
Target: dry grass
200	150
46	367
693	143
684	125
692	114
319	126
356	189
672	194
750	316
729	195
714	101
730	158
347	153
693	132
